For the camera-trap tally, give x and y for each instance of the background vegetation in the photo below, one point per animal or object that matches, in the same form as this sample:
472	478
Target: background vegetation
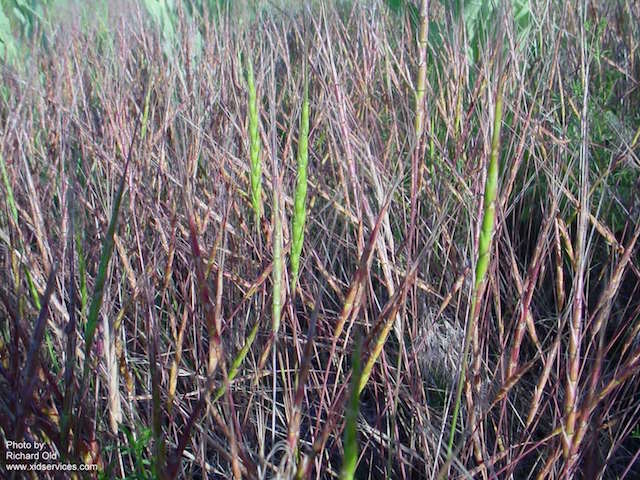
369	239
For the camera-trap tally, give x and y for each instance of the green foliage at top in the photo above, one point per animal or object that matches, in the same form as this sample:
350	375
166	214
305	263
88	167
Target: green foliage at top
480	18
401	7
24	21
19	19
7	42
611	123
163	14
24	15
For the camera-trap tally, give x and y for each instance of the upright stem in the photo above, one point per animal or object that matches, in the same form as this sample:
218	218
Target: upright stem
484	250
416	166
575	326
277	239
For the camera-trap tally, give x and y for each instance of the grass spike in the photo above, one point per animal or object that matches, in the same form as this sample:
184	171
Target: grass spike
484	249
300	196
254	145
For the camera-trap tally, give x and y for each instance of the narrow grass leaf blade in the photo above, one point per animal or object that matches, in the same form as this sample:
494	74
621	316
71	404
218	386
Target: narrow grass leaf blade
350	460
105	257
32	355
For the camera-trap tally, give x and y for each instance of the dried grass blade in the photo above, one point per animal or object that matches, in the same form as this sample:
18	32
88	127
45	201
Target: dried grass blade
70	331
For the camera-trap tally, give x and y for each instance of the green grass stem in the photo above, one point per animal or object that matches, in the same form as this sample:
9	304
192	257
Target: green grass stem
484	250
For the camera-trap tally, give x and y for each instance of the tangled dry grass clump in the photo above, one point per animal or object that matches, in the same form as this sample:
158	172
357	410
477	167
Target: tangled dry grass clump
355	239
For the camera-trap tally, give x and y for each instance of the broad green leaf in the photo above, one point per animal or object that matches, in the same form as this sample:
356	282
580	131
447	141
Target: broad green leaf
7	40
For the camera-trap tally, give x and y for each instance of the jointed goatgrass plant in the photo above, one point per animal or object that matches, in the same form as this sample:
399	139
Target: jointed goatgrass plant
202	356
574	366
300	196
484	251
417	167
254	145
